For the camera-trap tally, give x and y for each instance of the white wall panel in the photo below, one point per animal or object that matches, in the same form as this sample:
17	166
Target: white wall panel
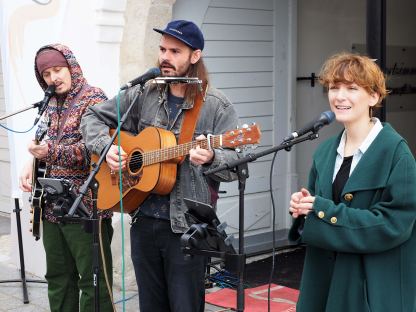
238	16
237	32
253	109
242	80
246	4
248	95
5	177
238	64
241	58
238	48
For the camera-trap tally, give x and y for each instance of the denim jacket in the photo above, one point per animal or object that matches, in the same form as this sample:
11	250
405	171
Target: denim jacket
150	109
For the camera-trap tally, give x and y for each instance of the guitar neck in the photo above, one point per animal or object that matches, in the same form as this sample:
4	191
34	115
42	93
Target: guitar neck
180	150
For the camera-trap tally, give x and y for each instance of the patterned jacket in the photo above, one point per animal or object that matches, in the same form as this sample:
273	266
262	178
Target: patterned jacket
68	158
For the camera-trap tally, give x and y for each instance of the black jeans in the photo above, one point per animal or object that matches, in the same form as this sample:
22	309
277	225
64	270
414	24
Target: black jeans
166	281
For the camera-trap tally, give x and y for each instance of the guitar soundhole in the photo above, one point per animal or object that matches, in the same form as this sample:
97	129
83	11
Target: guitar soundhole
135	162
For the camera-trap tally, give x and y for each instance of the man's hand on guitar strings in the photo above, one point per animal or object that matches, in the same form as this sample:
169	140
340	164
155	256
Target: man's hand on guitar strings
200	156
40	151
25	179
112	158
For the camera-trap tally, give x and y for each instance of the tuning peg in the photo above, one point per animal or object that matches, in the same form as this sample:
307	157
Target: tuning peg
247	127
31	221
238	150
30	230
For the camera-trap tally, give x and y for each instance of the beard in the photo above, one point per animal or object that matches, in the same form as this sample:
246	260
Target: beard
169	70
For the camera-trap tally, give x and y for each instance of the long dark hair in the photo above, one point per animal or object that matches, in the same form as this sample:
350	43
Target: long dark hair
196	70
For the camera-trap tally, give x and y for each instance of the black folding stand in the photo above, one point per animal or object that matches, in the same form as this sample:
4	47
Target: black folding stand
22	279
241	168
41	106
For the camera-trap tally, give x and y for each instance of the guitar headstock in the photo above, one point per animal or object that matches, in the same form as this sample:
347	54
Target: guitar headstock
42	130
248	134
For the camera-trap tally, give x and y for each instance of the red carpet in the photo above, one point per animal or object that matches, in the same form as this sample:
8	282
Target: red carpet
282	299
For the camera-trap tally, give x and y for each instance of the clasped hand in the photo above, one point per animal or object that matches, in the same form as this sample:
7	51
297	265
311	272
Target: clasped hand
301	203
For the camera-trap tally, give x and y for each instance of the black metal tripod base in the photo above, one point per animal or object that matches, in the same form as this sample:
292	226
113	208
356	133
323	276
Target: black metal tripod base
22	279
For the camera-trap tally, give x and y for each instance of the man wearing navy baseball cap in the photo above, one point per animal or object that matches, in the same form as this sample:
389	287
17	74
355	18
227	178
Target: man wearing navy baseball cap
185	31
168	282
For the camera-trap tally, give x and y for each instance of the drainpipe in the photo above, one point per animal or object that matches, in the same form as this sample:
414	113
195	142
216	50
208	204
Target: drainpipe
376	40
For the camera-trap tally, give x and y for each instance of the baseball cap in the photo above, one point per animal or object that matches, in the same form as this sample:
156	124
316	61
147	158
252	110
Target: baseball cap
185	31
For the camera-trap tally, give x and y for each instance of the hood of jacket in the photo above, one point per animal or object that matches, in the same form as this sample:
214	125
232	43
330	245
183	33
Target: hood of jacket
77	77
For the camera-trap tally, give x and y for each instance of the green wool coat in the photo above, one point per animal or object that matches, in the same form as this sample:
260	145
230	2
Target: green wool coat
361	253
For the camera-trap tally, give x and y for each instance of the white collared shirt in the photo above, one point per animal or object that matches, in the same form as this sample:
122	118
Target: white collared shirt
360	151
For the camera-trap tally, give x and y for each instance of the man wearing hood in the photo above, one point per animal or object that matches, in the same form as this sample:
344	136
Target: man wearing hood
67	246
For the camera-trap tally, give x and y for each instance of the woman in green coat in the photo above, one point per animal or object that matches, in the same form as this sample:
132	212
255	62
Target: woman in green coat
358	215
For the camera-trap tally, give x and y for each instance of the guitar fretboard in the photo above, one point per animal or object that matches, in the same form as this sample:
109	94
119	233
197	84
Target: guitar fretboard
180	150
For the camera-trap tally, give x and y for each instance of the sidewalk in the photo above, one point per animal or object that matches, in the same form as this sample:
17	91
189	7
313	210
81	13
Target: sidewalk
11	293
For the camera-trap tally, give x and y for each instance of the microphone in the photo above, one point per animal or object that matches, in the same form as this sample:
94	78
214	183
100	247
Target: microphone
49	92
313	126
150	74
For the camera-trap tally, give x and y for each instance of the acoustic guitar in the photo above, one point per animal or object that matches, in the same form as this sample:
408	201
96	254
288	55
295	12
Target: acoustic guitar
152	160
37	199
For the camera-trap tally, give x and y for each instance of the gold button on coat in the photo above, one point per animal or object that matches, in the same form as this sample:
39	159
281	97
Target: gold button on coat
334	220
321	214
348	197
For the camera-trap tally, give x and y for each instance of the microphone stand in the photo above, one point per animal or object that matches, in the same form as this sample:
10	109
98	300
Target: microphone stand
241	169
38	105
92	183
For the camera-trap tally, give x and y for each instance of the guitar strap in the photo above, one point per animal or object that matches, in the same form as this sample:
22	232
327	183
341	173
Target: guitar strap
66	113
189	121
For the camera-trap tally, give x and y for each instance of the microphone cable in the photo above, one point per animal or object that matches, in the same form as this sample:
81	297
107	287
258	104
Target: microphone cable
120	174
273	230
15	131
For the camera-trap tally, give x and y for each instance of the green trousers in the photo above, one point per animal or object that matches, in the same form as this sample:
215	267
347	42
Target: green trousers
69	270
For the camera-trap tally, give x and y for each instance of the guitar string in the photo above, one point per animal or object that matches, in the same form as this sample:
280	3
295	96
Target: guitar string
172	150
159	155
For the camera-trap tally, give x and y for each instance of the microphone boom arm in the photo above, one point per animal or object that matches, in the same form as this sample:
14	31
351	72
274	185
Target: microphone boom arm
286	145
20	110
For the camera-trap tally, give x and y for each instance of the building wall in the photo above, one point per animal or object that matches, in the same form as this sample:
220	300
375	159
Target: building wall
25	27
140	43
245	61
401	109
326	27
5	199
